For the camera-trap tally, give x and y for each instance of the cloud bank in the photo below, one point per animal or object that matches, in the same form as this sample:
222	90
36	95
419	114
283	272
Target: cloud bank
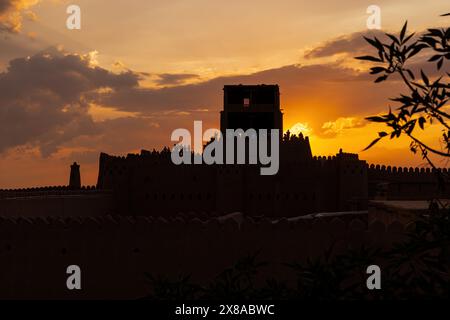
12	13
44	99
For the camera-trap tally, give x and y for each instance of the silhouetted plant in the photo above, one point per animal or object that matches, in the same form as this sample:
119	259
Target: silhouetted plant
426	99
237	282
234	283
319	278
422	263
335	277
418	267
274	290
165	289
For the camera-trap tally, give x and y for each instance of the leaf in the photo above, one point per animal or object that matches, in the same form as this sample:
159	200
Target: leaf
419	85
376	119
403	32
417	49
434	58
382	134
436	32
411	74
376	70
431	42
375	43
369	58
409	37
372	144
393	38
410	126
382	78
425	78
440	63
422	121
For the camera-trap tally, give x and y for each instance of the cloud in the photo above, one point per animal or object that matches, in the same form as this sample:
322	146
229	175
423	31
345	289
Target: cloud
313	94
353	44
12	13
302	128
174	78
333	128
45	102
52	98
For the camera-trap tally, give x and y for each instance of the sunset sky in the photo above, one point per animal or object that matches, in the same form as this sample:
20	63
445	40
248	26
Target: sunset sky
138	69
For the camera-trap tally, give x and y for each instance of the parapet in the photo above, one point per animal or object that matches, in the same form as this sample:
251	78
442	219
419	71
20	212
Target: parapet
383	170
42	191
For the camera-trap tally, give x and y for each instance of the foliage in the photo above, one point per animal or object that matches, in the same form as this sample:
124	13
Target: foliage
427	97
166	289
423	261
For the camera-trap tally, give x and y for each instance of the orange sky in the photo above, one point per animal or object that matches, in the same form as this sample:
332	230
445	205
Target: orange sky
139	69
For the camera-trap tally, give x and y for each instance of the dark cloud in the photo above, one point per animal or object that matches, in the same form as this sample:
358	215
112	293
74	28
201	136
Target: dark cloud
4	5
44	99
165	79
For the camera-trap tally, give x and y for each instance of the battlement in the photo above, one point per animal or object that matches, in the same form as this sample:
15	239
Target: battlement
382	169
352	162
403	183
49	190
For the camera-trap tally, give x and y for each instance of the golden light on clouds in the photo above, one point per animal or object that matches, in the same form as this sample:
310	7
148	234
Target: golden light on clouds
302	128
337	126
93	58
100	113
12	13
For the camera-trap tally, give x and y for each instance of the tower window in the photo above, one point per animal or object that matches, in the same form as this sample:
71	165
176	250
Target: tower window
246	102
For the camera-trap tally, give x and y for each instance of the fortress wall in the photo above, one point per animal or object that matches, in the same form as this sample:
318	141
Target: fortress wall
393	172
56	201
402	183
163	186
114	253
63	205
149	183
46	191
352	185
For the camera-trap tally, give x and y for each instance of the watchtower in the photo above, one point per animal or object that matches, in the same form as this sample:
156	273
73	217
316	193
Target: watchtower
251	107
75	178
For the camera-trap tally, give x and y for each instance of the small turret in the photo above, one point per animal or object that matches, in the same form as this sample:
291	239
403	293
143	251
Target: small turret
75	179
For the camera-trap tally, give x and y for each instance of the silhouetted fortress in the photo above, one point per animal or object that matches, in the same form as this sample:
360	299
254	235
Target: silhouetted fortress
149	184
147	215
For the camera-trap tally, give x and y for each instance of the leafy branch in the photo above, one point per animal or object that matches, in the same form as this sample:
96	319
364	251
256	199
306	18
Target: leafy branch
426	102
